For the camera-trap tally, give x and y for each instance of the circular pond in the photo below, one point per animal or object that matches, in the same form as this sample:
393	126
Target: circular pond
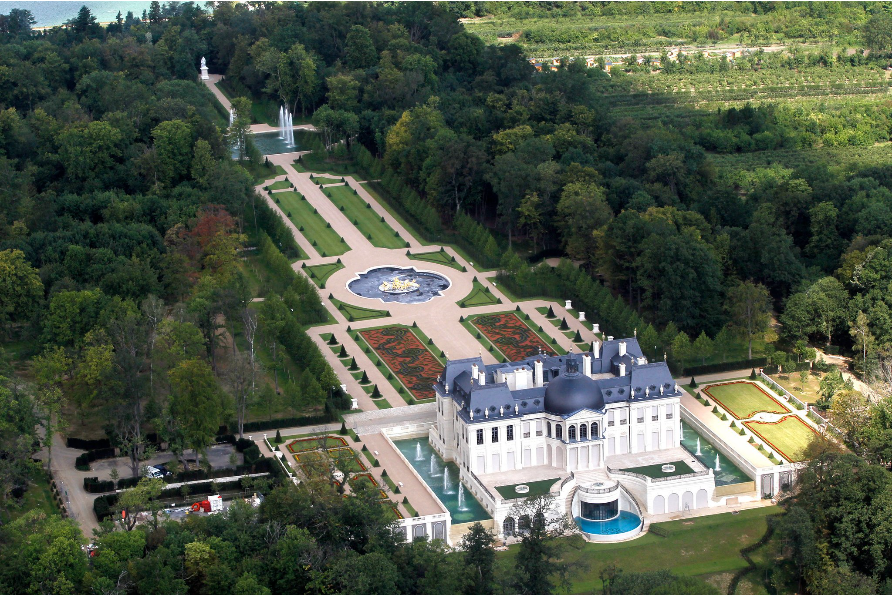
392	284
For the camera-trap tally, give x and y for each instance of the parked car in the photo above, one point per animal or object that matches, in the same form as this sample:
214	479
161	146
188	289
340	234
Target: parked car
157	472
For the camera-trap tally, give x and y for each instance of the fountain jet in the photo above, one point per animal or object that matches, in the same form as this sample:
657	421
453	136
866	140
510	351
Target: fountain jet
698	453
432	467
462	506
282	122
717	463
447	486
418	451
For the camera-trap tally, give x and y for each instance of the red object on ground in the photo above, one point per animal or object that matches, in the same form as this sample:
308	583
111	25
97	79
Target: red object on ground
202	505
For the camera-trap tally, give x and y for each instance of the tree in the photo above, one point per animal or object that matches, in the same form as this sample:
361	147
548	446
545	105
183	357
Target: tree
240	129
173	148
703	347
748	305
798	541
538	561
49	369
581	211
359	50
342	92
21	290
240	375
876	33
479	556
139	499
861	335
17	437
196	403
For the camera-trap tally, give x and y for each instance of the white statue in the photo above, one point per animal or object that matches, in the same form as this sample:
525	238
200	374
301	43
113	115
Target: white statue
204	68
204	64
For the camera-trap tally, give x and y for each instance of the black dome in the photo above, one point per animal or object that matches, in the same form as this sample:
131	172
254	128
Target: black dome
571	392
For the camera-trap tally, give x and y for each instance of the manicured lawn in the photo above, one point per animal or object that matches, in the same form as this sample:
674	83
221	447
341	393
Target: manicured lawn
790	436
354	313
510	335
279	185
536	488
544	311
261	172
314	443
703	545
317	162
743	399
406	355
320	273
381	404
654	470
379	233
311	224
440	257
318	180
479	296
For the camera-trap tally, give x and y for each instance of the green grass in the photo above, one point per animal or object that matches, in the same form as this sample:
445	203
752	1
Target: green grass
703	545
440	257
379	233
280	185
318	180
544	312
354	313
312	225
536	488
311	443
743	400
261	173
790	436
320	273
381	404
38	496
412	511
654	471
479	296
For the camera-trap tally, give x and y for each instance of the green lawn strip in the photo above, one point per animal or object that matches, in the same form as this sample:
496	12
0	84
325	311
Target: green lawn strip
367	221
654	471
440	257
544	312
535	488
390	483
316	163
320	273
261	173
354	313
382	404
480	296
318	180
412	511
790	436
522	316
369	457
311	224
279	185
743	400
703	545
310	442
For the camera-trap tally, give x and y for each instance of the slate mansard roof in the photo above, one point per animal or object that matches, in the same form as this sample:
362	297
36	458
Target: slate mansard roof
575	392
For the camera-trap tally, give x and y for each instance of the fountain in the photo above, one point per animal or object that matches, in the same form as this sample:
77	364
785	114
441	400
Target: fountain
289	131
717	468
462	506
392	283
698	453
232	116
447	486
418	451
681	431
282	122
432	467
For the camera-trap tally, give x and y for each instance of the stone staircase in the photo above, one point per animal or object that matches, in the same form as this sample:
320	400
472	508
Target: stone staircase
586	478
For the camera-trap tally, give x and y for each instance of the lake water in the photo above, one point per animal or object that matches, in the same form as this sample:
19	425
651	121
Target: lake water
49	14
418	453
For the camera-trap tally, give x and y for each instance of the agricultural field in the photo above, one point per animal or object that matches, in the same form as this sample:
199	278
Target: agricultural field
511	336
789	436
367	221
743	399
312	225
407	357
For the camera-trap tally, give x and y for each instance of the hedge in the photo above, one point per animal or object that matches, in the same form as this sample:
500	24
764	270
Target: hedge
86	458
727	366
258	465
88	444
285	422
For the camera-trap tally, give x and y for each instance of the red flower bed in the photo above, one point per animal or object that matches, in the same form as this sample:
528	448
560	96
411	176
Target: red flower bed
510	335
407	357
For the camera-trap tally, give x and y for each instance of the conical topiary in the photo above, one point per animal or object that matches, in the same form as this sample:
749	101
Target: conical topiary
578	337
278	437
753	373
353	364
365	379
333	341
343	354
550	314
375	392
343	430
564	325
693	383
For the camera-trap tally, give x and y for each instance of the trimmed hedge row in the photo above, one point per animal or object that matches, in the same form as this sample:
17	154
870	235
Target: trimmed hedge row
479	238
727	366
86	458
88	444
286	422
258	465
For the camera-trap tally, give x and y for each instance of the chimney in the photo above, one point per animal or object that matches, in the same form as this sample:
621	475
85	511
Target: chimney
482	378
621	349
474	371
622	369
538	374
596	348
587	365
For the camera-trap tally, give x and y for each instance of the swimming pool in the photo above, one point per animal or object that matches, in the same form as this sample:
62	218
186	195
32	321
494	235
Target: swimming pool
625	522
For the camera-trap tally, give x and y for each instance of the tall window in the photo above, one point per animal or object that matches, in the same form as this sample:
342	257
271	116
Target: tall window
610	418
548	429
539	429
571	433
494	434
558	433
583	431
510	433
480	436
594	430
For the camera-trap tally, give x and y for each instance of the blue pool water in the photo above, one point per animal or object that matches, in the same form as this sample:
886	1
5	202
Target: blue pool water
728	473
367	284
430	467
625	521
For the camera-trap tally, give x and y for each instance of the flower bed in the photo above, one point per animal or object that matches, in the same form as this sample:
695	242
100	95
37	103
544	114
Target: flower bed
744	399
310	444
407	357
789	436
510	335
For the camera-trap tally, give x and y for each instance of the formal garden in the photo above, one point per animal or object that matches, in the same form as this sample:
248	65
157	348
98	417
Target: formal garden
510	336
403	354
743	399
789	436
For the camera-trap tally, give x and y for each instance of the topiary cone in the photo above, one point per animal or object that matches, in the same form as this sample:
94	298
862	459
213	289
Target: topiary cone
693	383
343	354
365	379
375	392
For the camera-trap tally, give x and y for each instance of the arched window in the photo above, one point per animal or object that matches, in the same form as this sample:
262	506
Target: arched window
594	429
548	429
558	433
583	431
572	433
508	526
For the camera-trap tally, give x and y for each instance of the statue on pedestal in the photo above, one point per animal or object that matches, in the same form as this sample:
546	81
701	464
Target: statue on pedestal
204	68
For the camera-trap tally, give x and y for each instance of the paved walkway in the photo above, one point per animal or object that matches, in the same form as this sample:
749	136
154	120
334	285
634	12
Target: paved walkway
211	84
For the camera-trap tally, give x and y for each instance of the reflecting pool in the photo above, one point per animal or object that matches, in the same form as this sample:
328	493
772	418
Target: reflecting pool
271	144
443	479
728	472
